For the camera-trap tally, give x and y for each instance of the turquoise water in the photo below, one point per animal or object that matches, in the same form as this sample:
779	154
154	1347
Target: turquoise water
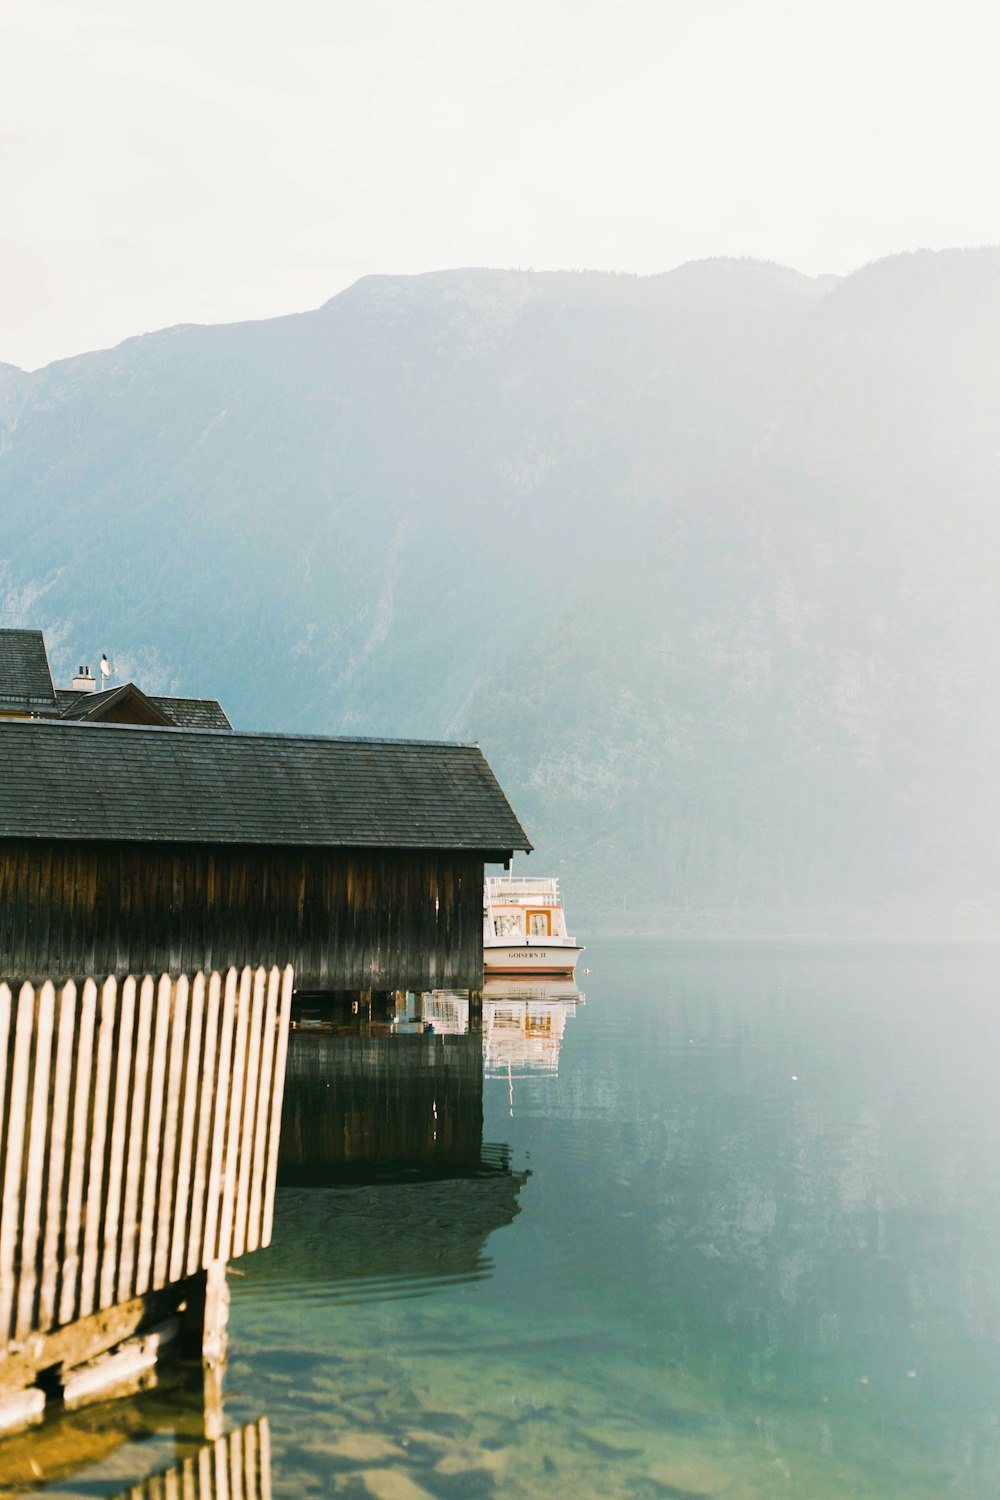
758	1252
729	1228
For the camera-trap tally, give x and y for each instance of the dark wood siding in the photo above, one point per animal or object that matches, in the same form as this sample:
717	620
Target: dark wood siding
346	920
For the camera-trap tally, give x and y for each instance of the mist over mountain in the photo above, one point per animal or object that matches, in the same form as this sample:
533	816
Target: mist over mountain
706	561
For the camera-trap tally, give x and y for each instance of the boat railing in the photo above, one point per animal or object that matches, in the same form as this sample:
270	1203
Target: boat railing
539	890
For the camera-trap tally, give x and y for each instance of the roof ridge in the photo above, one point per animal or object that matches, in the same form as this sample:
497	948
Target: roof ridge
236	734
184	697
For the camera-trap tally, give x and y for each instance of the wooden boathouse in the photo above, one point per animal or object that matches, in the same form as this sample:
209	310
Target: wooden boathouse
131	849
162	879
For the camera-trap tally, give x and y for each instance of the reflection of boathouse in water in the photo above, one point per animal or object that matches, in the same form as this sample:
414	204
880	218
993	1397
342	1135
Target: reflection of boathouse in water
383	1172
381	1109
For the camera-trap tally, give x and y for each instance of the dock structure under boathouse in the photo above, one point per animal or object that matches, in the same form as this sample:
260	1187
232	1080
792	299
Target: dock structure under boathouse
137	849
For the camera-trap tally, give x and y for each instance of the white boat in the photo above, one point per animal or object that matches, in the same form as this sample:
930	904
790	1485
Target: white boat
524	928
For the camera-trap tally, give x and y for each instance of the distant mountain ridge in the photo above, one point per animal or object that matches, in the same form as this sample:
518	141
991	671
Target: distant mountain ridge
704	560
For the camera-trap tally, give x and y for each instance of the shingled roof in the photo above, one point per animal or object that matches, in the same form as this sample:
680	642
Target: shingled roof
25	679
92	782
26	689
192	713
185	713
102	705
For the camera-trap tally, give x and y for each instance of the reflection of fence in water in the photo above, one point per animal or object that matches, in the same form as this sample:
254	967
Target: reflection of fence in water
138	1138
234	1467
110	1445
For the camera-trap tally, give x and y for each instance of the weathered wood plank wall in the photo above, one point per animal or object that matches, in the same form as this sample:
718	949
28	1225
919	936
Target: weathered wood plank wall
139	1127
347	921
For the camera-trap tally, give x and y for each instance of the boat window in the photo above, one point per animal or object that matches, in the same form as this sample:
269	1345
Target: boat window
538	924
507	924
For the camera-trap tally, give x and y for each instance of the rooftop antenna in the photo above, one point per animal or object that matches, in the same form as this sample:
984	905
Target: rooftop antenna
106	670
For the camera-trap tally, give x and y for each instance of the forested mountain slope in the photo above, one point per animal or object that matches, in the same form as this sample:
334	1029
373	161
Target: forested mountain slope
704	560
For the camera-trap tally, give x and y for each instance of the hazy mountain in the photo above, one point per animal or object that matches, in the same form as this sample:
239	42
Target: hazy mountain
704	560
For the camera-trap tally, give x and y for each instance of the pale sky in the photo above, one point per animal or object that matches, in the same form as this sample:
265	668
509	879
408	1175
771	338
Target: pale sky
212	160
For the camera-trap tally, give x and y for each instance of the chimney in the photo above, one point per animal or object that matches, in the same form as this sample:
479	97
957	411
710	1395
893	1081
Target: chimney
84	682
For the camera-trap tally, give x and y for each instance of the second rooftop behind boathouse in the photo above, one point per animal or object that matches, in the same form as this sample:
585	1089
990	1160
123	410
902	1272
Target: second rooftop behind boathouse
27	692
127	849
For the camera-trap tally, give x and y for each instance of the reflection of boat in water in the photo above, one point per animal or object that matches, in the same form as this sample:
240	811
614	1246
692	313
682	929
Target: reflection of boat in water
446	1012
523	1025
524	927
509	987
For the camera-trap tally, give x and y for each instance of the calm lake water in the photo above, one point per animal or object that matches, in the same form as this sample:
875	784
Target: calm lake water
729	1228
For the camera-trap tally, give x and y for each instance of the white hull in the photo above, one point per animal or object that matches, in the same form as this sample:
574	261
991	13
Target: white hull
529	958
